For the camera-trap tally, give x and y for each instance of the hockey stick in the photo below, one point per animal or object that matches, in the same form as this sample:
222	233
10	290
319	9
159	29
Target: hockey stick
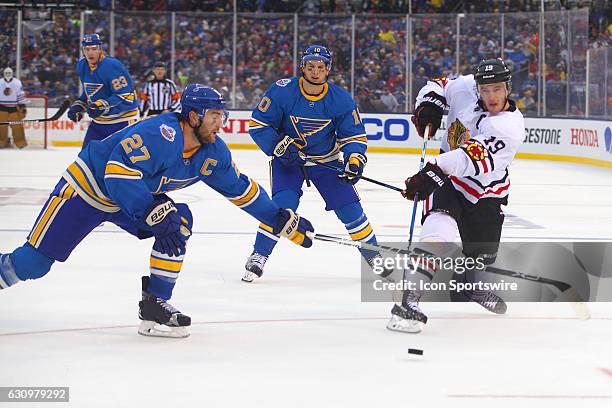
568	293
416	196
342	171
356	244
62	109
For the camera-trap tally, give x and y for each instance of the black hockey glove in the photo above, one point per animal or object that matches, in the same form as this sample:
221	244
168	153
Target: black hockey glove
288	153
429	112
425	182
163	221
353	168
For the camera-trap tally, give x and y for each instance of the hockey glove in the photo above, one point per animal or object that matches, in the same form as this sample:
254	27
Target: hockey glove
425	182
288	153
353	168
75	113
97	108
293	227
22	111
170	232
429	112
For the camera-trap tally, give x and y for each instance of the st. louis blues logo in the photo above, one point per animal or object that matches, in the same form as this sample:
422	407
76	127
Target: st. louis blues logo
91	89
305	127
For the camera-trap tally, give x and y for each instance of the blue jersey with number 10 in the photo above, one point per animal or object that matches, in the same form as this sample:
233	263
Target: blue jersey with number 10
321	125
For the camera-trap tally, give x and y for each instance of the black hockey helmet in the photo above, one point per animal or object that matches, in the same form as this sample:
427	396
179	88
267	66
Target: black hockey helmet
492	71
159	64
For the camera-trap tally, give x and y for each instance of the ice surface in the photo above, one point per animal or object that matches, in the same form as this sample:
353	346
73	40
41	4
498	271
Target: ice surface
299	337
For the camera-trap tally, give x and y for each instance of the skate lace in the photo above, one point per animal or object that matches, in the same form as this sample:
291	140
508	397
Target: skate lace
167	306
413	297
411	301
487	298
258	259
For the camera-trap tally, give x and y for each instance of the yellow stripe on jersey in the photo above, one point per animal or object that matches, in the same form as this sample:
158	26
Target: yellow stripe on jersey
67	192
166	264
247	198
358	236
255	124
266	227
353	139
129	97
48	215
81	179
133	114
119	170
83	184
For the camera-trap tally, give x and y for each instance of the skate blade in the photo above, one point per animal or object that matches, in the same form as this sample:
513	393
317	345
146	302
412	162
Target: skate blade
404	325
152	329
249	277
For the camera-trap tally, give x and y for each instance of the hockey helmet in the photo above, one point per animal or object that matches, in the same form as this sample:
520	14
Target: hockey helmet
8	73
492	71
199	98
91	39
317	53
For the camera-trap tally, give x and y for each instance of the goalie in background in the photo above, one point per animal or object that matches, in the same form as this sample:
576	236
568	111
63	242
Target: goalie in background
12	107
108	96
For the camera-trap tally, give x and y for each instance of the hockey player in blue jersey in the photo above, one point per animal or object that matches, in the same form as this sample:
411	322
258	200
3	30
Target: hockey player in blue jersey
308	117
124	179
108	94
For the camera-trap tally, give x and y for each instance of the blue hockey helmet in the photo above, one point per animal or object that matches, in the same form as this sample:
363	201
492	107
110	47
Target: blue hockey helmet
317	53
199	98
91	39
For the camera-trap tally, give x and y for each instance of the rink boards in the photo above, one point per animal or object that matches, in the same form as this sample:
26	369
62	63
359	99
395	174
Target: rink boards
556	139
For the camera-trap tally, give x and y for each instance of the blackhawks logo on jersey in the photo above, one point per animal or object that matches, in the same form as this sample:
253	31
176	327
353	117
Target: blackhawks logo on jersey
476	151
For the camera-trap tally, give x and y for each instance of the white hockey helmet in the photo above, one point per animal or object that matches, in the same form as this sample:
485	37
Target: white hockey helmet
8	73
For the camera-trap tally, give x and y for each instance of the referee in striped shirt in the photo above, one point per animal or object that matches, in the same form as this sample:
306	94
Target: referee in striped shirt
160	94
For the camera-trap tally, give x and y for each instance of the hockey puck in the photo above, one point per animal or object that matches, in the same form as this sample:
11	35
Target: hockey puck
418	352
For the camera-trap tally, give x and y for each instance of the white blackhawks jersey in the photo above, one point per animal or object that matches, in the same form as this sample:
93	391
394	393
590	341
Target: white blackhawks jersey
478	168
11	93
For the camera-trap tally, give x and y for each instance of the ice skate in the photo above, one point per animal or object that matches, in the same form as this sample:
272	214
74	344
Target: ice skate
488	300
254	267
407	317
160	318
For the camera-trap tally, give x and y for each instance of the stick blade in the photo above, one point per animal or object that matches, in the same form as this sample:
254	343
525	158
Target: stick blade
576	302
62	109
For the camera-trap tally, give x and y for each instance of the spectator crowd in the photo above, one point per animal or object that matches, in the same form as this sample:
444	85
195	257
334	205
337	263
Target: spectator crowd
265	47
